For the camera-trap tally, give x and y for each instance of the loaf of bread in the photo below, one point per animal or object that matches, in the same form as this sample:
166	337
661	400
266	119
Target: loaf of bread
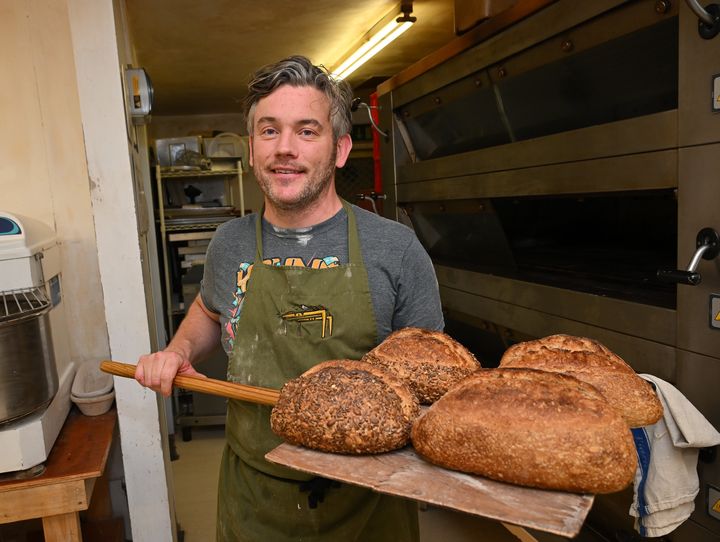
591	362
530	428
345	406
431	362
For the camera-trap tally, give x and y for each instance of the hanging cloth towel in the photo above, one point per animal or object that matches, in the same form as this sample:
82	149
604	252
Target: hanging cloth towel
666	481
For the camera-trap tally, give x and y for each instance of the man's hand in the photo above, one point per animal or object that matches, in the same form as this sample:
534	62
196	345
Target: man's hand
157	371
197	335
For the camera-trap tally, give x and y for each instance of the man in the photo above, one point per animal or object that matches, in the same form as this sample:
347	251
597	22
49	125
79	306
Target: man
309	279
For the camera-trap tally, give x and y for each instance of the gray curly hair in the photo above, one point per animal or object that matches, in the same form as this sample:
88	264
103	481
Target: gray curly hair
298	71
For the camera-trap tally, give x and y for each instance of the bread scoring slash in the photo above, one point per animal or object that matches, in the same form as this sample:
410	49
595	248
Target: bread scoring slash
592	362
430	362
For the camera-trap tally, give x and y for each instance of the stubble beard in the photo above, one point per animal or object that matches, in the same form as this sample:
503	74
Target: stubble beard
310	192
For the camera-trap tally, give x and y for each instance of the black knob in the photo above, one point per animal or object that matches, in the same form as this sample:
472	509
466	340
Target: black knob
709	31
679	276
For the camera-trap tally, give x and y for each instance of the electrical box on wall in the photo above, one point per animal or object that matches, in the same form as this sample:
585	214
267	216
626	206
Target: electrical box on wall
139	90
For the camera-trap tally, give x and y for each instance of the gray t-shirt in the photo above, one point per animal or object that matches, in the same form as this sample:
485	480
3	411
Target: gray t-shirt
403	286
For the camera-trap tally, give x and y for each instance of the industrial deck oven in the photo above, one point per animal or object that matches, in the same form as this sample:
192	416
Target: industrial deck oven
561	165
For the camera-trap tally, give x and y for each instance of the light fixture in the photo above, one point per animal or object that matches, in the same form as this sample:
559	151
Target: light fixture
376	42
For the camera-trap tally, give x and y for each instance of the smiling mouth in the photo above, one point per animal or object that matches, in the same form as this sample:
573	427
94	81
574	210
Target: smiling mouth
286	171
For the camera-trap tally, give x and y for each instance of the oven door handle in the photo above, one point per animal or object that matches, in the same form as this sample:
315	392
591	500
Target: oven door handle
708	248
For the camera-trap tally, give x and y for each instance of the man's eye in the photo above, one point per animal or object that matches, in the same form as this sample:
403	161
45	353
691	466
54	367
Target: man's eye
306	132
268	131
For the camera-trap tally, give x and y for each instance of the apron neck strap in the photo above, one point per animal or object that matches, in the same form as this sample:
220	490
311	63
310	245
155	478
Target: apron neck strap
354	254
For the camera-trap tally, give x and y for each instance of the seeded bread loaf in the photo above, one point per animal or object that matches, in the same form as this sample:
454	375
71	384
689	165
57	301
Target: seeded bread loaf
431	362
345	406
591	362
530	428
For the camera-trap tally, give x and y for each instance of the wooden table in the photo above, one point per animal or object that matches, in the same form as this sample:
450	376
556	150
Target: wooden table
66	486
405	474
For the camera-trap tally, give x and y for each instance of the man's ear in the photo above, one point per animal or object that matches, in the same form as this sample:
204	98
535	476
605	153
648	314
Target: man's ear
344	145
250	150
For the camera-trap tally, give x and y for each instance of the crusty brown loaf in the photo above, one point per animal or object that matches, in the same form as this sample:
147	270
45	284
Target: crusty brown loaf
591	362
431	362
530	428
345	406
563	342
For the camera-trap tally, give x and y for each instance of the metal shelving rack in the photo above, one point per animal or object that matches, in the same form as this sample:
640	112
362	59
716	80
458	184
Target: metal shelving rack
179	228
200	228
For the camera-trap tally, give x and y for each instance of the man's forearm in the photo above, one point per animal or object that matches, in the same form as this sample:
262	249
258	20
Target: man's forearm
198	333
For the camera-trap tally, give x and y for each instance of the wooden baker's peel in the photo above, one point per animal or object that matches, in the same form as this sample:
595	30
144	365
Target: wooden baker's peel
230	390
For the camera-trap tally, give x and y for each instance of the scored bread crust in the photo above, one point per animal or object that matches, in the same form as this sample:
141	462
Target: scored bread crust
531	428
569	343
591	362
345	406
431	362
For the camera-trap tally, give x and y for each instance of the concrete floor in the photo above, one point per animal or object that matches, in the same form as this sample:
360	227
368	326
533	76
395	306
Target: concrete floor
196	474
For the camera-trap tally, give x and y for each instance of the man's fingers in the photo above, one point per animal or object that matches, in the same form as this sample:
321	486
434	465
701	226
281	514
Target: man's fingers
167	375
189	370
157	371
139	374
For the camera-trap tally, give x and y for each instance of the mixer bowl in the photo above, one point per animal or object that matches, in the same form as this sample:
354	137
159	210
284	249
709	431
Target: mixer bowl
28	375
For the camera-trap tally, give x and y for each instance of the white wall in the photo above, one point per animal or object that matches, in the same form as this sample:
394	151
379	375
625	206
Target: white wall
93	29
64	160
43	173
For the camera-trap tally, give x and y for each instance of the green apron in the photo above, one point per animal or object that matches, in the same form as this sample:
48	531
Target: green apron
292	319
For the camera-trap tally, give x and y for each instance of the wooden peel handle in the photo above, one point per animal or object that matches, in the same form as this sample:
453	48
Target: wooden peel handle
262	396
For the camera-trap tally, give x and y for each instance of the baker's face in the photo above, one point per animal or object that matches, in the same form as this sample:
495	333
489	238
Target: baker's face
293	152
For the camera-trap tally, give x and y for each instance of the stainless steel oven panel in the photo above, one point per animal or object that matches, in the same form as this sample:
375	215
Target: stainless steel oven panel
647	171
698	207
639	135
606	26
393	153
699	61
697	379
652	323
691	531
643	335
643	355
551	21
699	186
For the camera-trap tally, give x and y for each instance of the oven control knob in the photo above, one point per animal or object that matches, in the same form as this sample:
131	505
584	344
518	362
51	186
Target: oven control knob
708	248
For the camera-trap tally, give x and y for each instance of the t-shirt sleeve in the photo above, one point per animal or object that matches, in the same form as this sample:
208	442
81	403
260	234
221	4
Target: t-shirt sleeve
418	297
207	286
220	268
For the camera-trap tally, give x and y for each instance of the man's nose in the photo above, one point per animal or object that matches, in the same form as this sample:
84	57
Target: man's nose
286	144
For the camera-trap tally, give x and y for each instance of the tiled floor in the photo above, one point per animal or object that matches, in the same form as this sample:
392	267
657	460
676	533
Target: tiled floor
195	479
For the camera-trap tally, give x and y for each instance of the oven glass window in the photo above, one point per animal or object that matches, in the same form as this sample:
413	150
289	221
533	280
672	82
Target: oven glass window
610	245
630	76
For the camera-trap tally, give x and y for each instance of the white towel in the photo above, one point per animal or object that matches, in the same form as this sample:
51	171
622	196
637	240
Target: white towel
666	481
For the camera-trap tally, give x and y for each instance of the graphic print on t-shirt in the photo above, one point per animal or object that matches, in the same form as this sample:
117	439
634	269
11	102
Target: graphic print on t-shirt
241	284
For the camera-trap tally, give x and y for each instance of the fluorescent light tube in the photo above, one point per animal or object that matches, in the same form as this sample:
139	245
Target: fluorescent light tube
370	48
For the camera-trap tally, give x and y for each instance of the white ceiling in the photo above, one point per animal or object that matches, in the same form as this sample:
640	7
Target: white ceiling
200	53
